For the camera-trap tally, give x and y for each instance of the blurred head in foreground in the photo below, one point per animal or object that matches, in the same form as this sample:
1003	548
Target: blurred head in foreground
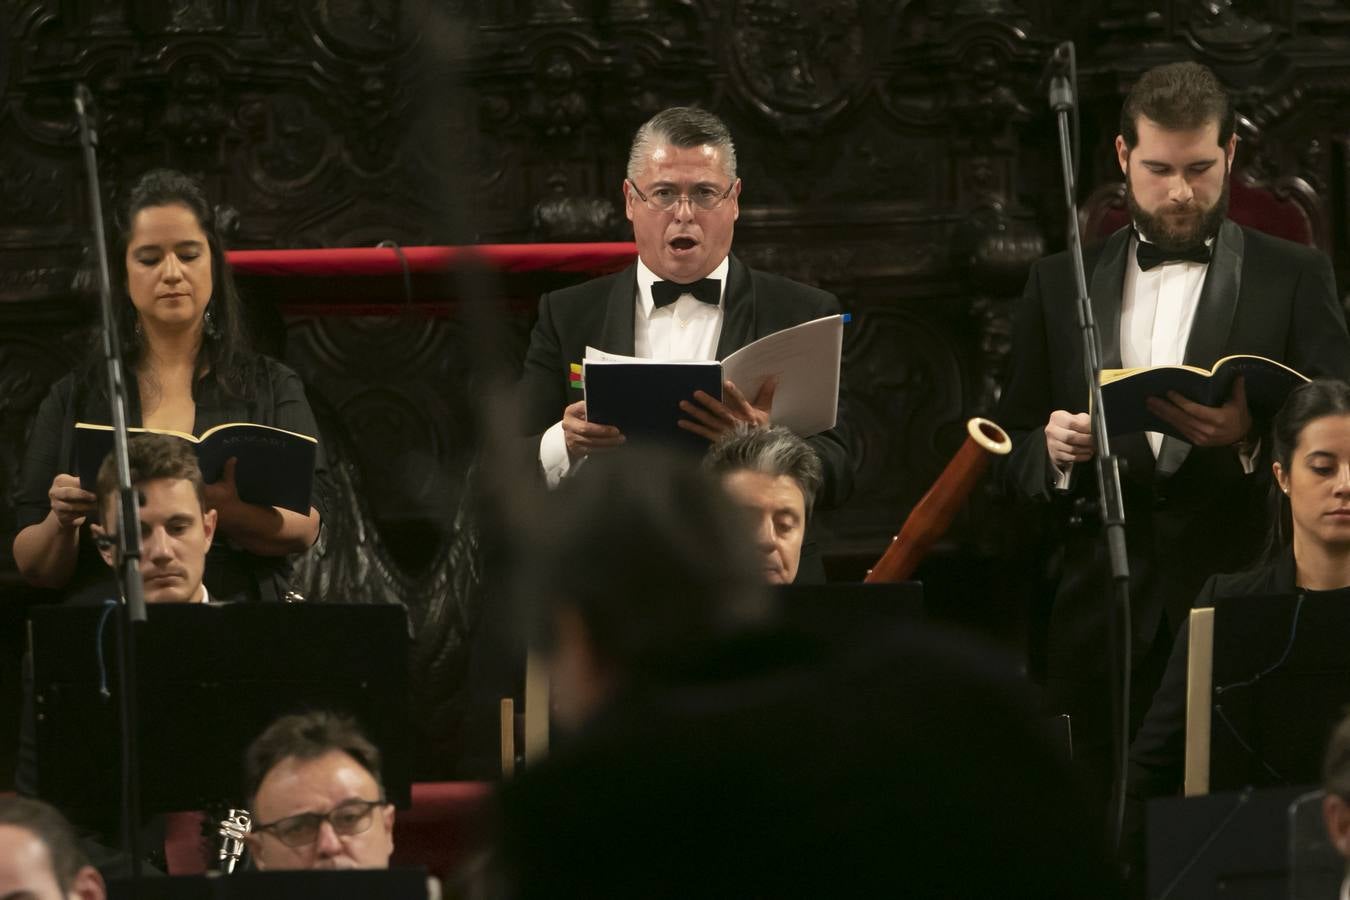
630	569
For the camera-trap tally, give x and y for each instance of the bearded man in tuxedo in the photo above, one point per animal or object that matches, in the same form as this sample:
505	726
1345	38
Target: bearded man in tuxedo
1183	284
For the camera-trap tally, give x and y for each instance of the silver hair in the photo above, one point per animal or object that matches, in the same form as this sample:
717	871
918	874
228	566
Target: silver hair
681	126
770	451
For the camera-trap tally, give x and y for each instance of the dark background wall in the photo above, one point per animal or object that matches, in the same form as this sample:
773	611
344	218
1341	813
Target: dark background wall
897	153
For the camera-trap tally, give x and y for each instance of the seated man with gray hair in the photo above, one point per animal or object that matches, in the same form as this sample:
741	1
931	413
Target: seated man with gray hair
774	475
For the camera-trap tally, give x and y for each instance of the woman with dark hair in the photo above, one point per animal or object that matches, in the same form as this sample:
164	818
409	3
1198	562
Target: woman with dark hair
1308	550
188	368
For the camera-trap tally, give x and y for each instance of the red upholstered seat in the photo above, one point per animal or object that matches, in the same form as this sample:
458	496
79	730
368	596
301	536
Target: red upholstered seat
1251	205
439	831
443	827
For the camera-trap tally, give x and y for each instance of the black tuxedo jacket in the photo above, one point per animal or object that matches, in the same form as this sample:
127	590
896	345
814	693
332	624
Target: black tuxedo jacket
600	313
1192	512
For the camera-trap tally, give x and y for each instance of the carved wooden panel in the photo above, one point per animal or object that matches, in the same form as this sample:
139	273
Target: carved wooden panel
899	154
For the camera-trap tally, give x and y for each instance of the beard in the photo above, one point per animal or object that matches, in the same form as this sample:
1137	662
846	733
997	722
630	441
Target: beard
1178	233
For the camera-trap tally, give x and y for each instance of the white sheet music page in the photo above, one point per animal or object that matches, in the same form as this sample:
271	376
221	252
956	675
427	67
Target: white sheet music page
805	358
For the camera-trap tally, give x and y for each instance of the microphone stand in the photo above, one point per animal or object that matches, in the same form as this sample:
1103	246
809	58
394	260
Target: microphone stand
128	514
1111	503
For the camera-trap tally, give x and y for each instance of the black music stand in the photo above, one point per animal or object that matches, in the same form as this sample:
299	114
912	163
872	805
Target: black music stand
1233	845
211	678
1281	682
391	884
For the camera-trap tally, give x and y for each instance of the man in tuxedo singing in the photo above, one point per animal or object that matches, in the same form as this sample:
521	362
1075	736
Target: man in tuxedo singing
1183	284
686	297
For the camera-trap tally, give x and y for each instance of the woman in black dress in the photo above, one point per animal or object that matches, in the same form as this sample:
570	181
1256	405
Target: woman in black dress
1308	551
189	368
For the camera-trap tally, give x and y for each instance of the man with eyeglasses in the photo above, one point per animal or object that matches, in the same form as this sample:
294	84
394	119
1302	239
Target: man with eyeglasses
313	783
686	297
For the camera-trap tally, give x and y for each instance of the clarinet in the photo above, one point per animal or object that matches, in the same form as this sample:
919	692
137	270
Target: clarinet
232	830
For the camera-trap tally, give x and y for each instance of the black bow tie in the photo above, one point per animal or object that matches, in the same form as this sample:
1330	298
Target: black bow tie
664	293
1151	255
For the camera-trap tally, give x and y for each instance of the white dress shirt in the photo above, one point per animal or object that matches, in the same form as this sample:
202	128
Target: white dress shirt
1157	309
683	330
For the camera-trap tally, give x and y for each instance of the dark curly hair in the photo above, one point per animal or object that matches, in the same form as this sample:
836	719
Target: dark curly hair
226	354
1178	96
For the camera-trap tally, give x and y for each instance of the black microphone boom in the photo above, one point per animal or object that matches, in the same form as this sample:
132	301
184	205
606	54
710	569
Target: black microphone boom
128	513
1109	498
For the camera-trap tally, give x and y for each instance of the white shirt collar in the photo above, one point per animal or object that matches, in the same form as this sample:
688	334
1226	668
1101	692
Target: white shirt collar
646	277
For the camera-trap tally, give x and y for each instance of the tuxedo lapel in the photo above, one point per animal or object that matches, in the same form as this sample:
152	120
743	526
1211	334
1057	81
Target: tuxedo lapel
738	310
1212	325
616	336
1105	289
1218	299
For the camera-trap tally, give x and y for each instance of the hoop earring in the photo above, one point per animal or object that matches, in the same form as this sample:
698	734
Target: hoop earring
209	324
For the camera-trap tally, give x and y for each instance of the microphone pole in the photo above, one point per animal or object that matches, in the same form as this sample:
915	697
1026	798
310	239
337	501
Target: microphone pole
1063	100
128	513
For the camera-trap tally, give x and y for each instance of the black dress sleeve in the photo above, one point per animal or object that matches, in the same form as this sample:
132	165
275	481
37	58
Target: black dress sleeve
45	457
1026	402
291	411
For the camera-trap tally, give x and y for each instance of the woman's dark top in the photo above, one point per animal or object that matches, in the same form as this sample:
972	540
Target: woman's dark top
277	398
1158	752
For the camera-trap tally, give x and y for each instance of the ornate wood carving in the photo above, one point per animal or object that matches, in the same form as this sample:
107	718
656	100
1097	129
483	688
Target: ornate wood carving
900	154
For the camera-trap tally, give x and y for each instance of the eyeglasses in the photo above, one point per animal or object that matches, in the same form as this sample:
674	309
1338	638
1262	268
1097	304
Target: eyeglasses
352	817
664	199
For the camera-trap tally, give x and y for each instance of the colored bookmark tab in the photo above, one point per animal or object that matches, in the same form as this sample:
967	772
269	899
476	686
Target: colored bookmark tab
574	375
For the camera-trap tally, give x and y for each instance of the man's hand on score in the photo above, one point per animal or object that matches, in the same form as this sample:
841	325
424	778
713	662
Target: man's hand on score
711	418
583	437
1206	426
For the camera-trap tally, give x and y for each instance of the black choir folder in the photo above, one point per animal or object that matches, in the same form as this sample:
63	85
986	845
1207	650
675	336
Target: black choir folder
275	466
642	396
1125	391
642	399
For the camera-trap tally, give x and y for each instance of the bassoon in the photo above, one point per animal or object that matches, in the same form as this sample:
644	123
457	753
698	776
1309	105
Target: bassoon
932	516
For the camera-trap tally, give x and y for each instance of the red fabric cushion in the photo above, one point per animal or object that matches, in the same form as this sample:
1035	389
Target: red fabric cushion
591	259
443	827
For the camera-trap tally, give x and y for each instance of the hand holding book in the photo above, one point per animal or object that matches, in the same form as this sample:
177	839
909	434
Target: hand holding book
1206	426
714	418
583	436
1200	406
